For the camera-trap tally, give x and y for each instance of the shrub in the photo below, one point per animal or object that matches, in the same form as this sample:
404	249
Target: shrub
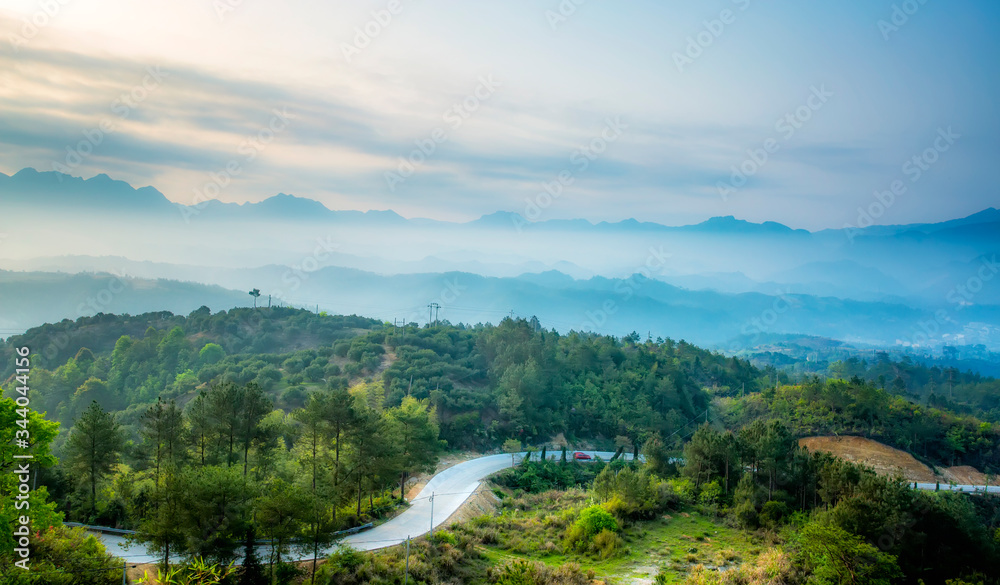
606	544
515	573
632	494
596	519
520	572
196	572
746	515
294	396
710	494
772	513
443	536
78	556
591	522
773	567
344	560
662	577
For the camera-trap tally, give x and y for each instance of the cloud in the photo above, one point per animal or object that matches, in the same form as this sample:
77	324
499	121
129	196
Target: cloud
350	124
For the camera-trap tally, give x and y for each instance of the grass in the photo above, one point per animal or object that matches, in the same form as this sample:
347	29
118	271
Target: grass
532	527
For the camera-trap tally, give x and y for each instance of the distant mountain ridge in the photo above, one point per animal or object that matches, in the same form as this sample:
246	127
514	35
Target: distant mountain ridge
698	279
599	304
29	188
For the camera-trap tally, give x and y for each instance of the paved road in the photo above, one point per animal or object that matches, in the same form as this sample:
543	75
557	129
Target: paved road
969	489
450	488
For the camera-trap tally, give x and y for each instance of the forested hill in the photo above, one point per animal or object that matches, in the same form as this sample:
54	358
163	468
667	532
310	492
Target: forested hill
241	330
487	382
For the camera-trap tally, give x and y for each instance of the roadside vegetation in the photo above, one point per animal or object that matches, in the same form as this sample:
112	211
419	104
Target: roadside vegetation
206	432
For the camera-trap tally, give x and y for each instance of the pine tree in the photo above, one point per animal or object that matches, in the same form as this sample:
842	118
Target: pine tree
251	572
200	426
160	529
94	447
416	423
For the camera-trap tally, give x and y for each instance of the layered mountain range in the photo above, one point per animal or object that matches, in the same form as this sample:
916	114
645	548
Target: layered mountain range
722	282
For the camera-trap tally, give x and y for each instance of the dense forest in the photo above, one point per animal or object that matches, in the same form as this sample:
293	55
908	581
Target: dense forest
207	432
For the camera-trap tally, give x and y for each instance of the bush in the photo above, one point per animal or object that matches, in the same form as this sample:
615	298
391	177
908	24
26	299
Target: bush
710	494
773	567
746	515
596	519
632	494
294	397
67	556
443	536
606	544
195	572
772	514
520	572
592	522
343	561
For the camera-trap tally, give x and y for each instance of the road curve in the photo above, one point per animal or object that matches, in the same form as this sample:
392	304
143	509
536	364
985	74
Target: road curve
450	488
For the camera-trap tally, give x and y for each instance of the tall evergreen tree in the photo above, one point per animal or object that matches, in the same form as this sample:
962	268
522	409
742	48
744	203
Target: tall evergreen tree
200	426
254	405
419	445
94	447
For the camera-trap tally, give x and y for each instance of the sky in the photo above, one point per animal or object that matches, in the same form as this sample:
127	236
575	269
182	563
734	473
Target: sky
806	113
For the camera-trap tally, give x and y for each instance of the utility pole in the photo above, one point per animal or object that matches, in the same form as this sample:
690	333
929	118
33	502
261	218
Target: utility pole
432	309
268	301
124	573
406	579
432	514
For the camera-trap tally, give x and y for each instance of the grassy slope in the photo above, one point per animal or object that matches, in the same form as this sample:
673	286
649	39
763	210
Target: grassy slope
533	526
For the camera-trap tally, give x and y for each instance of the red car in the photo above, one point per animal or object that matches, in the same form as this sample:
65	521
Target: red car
581	456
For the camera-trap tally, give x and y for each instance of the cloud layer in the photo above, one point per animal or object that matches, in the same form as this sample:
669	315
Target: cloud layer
436	109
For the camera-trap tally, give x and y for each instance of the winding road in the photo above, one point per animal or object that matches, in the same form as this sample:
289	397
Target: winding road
443	495
449	489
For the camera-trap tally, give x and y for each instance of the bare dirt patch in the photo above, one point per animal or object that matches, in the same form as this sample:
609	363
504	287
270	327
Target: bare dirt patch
882	458
482	501
966	475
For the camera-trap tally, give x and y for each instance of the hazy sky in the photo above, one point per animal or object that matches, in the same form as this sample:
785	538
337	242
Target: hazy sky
642	107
